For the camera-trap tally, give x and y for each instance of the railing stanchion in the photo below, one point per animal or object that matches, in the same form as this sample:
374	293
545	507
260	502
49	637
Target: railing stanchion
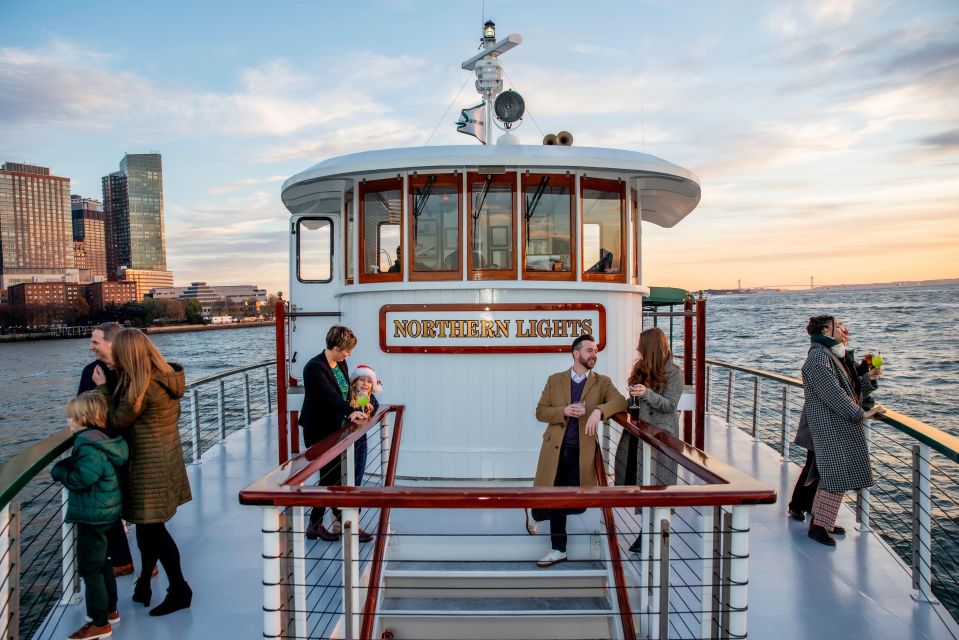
729	398
195	414
656	613
12	566
247	417
709	375
70	585
385	444
664	575
272	587
755	405
299	573
738	572
6	564
921	525
269	398
351	574
863	495
785	429
604	438
712	593
221	405
725	574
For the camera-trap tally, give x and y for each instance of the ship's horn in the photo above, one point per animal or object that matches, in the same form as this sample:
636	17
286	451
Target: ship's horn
564	138
549	138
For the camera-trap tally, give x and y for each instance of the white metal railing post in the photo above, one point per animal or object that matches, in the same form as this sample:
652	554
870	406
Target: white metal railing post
785	428
755	405
738	602
351	573
385	445
863	495
646	542
221	404
605	445
709	563
269	398
921	525
9	572
70	581
272	587
664	529
247	418
709	375
729	398
195	415
299	573
654	605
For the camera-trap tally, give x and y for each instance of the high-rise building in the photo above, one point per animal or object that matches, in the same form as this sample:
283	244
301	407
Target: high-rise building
89	237
133	203
36	241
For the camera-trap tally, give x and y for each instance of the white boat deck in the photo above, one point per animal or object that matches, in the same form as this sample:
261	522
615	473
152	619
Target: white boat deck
798	588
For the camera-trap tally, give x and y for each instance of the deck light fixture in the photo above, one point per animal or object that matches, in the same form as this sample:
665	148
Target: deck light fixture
489	32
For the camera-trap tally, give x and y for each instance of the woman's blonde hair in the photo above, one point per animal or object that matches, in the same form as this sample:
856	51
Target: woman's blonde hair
652	370
88	409
136	359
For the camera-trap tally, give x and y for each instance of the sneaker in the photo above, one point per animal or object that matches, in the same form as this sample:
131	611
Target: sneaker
531	525
796	514
112	618
820	535
123	570
551	558
90	631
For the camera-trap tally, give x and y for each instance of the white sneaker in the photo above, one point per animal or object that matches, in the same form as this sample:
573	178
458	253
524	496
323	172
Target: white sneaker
531	525
551	558
336	528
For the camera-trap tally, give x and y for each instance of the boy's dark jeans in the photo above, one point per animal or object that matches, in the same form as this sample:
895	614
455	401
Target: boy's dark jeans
96	571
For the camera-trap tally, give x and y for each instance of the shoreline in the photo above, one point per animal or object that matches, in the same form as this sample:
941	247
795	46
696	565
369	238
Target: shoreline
178	328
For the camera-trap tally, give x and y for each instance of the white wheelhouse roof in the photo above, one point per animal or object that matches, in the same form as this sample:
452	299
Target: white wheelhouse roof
668	192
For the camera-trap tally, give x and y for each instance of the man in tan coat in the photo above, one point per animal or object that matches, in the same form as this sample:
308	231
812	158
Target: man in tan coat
573	403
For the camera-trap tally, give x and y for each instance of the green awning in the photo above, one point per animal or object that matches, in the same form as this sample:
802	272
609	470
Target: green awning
664	296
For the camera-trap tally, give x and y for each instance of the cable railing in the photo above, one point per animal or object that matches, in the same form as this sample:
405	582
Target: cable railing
913	504
38	569
452	561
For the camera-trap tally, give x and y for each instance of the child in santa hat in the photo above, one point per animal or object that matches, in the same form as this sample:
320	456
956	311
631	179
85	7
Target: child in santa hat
364	383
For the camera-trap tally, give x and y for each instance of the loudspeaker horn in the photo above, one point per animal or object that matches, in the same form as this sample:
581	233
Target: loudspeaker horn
564	138
549	138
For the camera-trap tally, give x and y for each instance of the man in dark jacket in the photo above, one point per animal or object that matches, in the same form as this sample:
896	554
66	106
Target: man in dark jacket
326	408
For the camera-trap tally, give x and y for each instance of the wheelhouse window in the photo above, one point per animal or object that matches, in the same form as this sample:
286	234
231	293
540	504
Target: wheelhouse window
604	245
348	225
314	249
381	238
492	224
434	206
548	220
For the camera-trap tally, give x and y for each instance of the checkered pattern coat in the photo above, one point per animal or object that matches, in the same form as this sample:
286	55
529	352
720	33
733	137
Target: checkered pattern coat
835	423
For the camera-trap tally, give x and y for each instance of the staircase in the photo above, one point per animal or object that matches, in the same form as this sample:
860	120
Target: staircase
475	586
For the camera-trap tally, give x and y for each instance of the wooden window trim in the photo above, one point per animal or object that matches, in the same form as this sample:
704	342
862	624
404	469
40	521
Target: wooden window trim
490	274
370	186
634	199
348	201
531	179
442	180
614	186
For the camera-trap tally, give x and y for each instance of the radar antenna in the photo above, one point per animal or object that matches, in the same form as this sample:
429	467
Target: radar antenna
489	84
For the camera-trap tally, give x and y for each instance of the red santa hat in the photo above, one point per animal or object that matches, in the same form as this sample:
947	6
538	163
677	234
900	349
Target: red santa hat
366	371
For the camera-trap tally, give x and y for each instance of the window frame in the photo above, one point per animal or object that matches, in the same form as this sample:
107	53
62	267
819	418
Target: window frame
531	179
371	186
615	186
442	180
299	235
490	274
348	202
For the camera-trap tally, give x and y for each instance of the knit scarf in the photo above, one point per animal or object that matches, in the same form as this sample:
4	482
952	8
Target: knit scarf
824	340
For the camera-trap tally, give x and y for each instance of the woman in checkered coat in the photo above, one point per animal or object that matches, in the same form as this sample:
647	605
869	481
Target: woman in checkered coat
835	424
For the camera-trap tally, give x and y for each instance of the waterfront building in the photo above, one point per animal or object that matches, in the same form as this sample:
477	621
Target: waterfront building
133	204
100	295
217	298
166	293
59	297
146	279
36	241
89	237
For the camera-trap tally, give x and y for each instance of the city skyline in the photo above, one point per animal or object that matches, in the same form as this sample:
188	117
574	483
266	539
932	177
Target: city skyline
822	132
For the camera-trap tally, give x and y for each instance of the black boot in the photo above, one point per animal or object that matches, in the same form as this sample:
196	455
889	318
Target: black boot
142	592
176	599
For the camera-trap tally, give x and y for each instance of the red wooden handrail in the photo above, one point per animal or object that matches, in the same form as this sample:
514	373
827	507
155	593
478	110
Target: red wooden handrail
373	586
281	415
619	577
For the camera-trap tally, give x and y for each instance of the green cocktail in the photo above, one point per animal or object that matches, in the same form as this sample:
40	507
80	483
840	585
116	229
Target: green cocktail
877	360
362	400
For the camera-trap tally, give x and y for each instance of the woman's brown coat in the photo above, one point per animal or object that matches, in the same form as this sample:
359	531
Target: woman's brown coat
157	482
598	393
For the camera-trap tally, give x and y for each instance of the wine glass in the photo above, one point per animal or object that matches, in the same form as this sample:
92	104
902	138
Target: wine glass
877	360
362	400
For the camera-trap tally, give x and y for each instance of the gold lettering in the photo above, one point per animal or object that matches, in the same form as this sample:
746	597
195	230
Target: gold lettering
444	327
502	328
457	329
429	329
486	329
415	327
559	329
520	331
399	328
542	328
588	326
472	327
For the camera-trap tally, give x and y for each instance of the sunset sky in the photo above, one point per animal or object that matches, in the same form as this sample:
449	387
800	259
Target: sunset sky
825	133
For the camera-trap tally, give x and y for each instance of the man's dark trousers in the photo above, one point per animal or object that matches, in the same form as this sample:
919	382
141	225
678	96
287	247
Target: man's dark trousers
567	475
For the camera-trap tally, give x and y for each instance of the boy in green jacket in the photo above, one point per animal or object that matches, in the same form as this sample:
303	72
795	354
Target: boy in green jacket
94	503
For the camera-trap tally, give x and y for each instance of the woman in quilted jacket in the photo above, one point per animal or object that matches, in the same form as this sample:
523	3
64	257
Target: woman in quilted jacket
146	404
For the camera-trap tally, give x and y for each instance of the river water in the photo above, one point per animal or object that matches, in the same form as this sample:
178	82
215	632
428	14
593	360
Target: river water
913	327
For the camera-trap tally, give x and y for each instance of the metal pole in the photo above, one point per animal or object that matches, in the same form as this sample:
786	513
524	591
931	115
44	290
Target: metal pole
738	602
384	446
222	410
247	417
645	569
195	411
724	611
706	595
10	571
351	574
687	433
719	571
785	430
269	398
660	515
729	398
70	585
921	526
664	576
700	431
604	436
299	573
755	405
709	376
272	583
862	496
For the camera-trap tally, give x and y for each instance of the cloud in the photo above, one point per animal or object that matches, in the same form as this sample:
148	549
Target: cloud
593	50
244	182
